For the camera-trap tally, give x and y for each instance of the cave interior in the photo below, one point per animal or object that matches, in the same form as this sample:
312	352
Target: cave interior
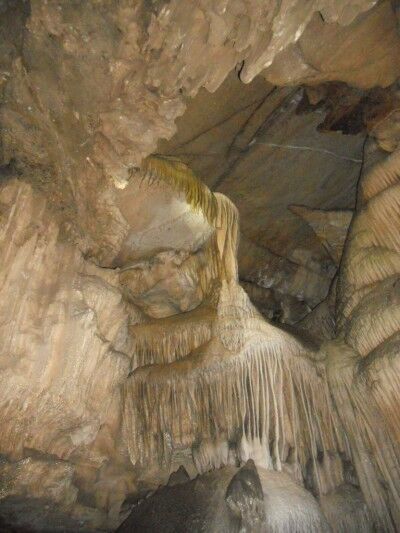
199	265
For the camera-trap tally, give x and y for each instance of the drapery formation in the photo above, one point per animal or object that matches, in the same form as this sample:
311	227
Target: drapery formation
227	385
221	378
363	362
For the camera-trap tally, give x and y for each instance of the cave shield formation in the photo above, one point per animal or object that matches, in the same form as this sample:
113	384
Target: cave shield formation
200	259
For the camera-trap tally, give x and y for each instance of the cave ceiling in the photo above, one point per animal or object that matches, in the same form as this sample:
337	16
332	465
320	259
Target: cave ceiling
267	155
283	155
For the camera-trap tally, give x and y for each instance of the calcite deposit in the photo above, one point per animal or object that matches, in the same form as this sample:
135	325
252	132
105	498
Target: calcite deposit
199	264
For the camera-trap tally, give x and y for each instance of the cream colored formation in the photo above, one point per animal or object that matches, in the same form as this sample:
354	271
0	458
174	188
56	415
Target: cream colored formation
239	387
363	361
259	383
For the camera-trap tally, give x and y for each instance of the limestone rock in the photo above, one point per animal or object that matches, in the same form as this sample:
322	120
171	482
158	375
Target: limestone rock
346	510
288	506
231	499
241	153
90	118
320	323
225	500
178	477
166	285
64	350
331	227
276	306
309	60
168	223
387	131
128	347
368	324
35	478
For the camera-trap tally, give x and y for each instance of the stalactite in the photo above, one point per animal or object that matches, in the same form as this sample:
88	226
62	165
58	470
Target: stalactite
251	383
217	208
169	339
227	234
179	176
219	380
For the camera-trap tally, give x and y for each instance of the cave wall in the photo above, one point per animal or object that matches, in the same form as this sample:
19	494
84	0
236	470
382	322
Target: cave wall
364	355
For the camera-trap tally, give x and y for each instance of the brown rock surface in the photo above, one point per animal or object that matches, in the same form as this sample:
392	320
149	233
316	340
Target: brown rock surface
88	118
265	157
364	53
64	352
331	227
128	347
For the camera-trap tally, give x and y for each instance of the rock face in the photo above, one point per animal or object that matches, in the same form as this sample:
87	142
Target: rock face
129	344
64	353
227	500
265	157
231	499
288	506
331	227
61	301
311	61
88	119
368	330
